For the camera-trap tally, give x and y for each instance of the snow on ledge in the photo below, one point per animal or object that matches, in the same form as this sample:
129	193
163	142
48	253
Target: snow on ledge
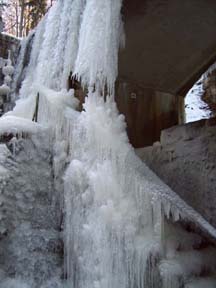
17	125
173	203
11	36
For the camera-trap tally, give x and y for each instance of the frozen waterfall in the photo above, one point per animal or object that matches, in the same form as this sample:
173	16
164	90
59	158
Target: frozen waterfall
113	206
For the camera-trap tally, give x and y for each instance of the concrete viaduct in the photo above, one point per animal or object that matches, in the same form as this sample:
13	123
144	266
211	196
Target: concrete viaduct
169	45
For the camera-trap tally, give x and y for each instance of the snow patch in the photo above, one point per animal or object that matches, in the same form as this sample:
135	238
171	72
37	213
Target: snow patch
17	125
195	108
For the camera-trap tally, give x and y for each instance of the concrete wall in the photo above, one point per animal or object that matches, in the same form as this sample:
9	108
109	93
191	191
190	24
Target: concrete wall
209	85
147	112
8	43
185	159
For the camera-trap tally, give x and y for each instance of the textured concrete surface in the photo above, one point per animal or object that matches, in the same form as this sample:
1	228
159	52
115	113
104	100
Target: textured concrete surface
146	112
30	239
169	43
8	43
185	159
209	85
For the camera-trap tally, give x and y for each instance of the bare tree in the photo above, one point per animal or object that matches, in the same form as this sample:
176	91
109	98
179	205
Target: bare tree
20	16
22	5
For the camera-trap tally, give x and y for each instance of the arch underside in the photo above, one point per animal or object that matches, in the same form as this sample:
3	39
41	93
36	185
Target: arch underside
169	43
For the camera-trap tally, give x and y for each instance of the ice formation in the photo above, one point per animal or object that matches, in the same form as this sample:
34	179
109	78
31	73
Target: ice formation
114	207
7	71
20	67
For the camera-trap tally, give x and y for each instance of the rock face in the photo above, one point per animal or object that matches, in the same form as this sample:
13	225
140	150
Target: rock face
185	159
209	85
1	23
8	43
30	238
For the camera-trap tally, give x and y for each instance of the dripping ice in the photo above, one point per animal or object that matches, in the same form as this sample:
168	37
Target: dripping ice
104	219
113	221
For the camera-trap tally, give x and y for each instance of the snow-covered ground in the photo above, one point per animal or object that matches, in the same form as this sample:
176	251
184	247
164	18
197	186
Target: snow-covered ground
195	107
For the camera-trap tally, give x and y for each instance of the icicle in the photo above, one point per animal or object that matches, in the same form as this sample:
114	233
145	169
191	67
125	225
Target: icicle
47	57
19	73
97	59
7	71
71	47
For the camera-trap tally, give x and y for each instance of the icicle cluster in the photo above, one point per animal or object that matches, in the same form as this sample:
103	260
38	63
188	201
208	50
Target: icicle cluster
110	229
7	71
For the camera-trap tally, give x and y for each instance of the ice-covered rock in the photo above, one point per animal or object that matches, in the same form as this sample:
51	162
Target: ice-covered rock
18	126
8	70
4	89
31	243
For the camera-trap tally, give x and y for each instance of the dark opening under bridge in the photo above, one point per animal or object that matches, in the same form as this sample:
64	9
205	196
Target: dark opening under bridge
169	45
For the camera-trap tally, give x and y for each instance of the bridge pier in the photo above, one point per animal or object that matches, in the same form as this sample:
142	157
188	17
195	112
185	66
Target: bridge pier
147	111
